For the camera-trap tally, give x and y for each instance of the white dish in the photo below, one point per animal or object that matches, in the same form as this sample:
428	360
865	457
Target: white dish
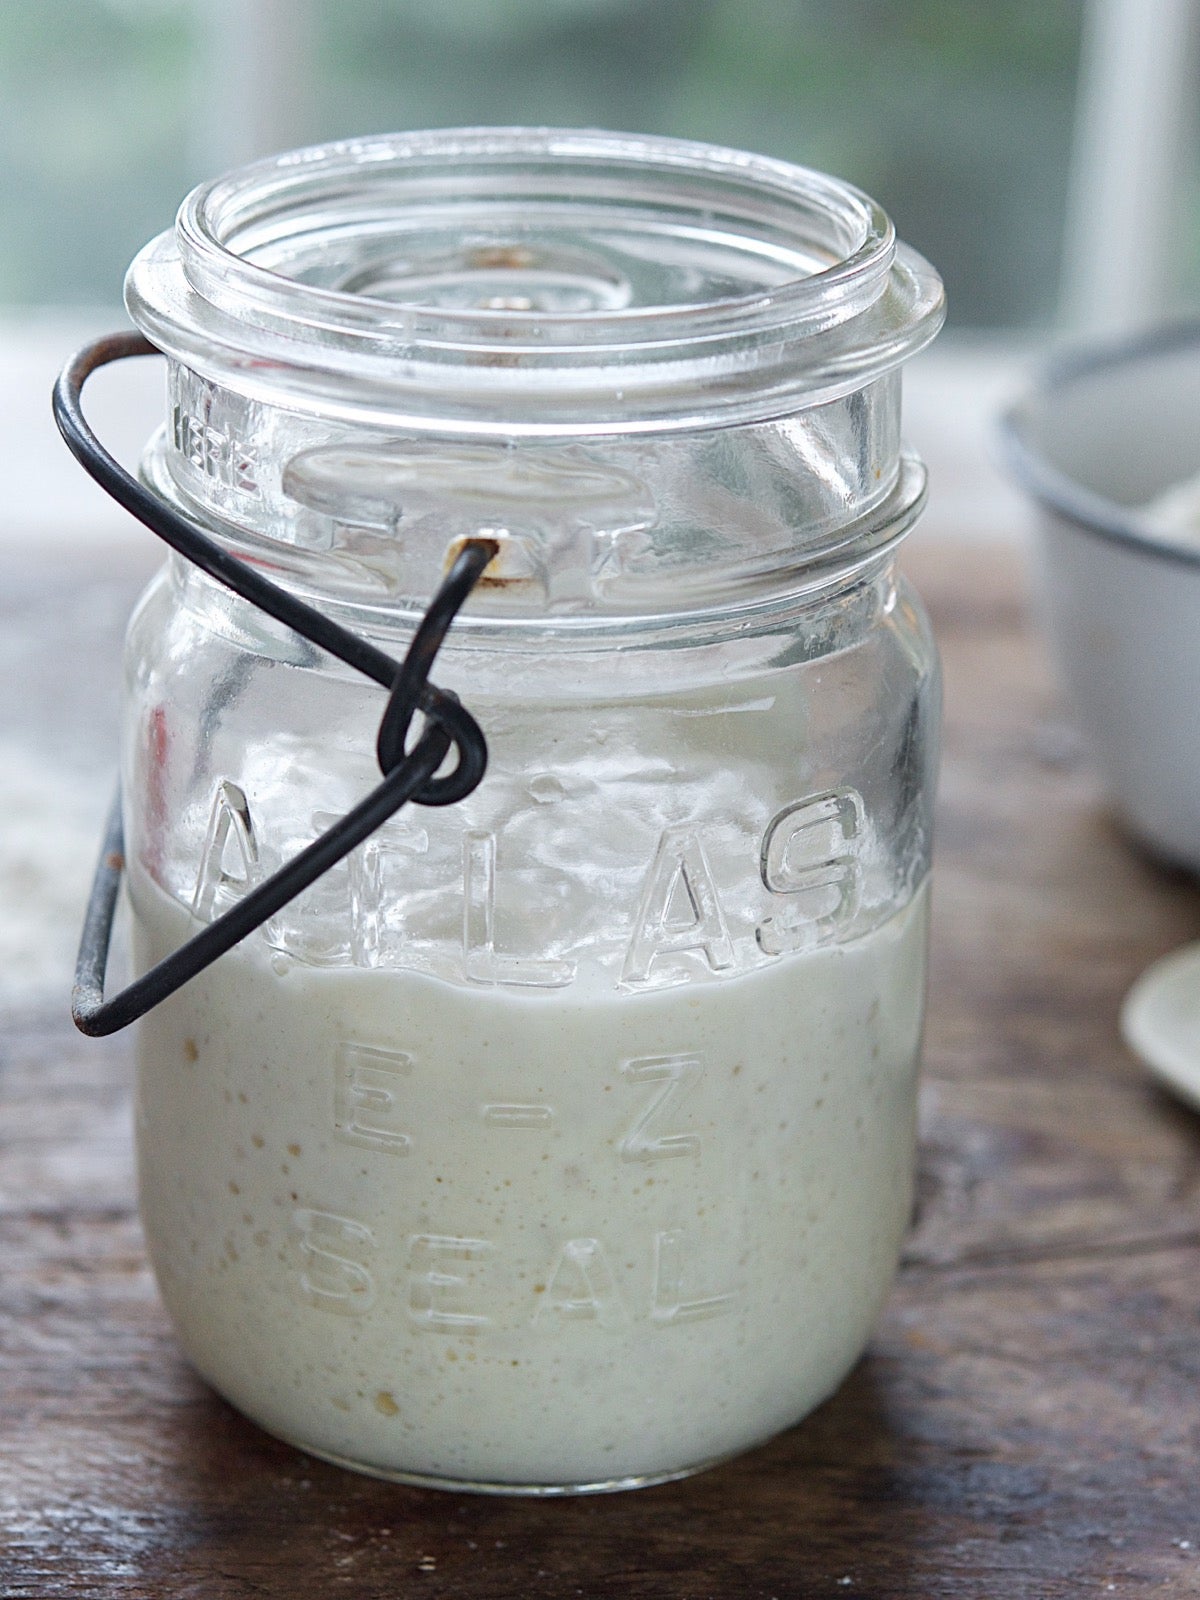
1160	1021
1099	439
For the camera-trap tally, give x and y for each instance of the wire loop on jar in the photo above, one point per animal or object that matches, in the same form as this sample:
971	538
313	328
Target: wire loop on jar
408	775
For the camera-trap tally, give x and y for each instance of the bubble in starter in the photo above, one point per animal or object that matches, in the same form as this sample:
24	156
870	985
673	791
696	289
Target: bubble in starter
546	789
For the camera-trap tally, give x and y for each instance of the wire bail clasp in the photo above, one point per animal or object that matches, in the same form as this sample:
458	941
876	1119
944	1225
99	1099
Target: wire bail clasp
408	774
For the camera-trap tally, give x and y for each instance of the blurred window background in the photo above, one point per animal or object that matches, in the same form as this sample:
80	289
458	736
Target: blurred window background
1040	152
956	114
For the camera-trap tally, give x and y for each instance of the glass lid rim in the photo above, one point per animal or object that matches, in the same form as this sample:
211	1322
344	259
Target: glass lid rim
211	212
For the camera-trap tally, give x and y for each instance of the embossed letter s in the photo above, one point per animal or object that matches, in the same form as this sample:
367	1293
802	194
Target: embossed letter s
331	1280
810	854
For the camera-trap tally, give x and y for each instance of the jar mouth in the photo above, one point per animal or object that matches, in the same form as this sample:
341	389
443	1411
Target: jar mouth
534	281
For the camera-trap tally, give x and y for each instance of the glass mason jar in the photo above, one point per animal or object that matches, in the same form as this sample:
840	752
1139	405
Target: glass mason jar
562	1138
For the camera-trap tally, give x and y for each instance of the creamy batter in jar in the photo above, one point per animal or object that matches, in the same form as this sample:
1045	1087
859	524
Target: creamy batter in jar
569	1238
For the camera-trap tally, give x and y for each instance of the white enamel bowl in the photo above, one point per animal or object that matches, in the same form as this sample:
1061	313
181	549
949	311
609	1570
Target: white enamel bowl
1100	435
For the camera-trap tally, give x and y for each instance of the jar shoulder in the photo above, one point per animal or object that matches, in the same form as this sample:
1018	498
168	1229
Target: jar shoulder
686	807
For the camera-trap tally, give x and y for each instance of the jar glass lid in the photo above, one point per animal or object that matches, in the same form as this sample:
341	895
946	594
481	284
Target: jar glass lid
534	282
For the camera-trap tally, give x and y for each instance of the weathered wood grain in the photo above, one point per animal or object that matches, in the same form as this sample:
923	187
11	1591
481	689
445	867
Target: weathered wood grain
1027	1422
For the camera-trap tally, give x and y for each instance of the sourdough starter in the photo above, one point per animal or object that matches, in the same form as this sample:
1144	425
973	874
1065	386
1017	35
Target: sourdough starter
528	1238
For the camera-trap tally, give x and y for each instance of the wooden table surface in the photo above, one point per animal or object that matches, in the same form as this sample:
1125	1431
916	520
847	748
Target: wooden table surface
1026	1423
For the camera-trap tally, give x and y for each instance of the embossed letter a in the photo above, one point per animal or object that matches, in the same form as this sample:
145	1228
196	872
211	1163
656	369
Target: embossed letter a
680	909
229	829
